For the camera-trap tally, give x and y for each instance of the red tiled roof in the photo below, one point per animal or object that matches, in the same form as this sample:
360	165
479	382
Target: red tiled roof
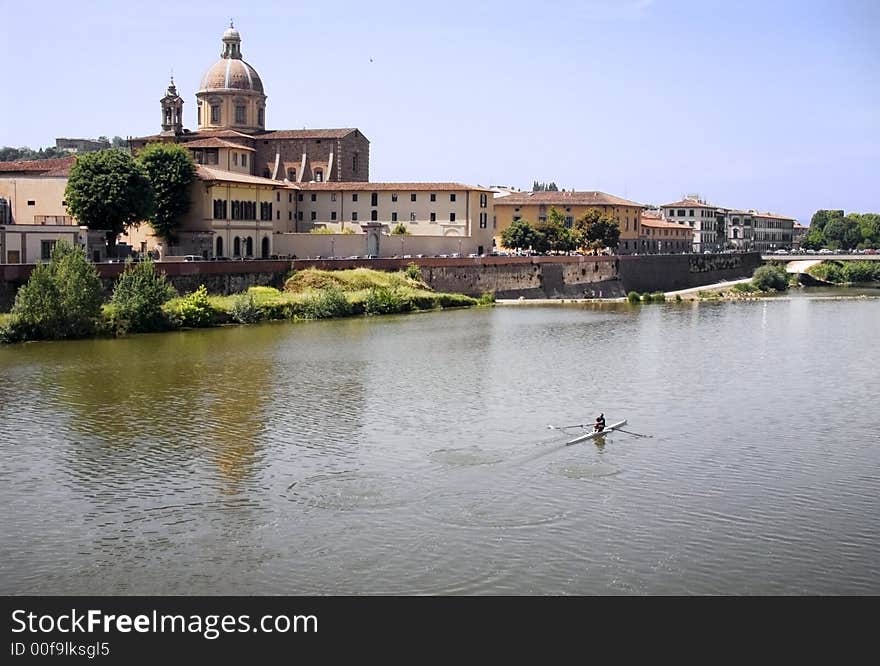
661	224
37	167
564	199
307	133
211	174
214	142
398	187
775	216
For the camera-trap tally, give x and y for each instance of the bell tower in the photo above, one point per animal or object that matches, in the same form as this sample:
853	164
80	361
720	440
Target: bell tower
172	111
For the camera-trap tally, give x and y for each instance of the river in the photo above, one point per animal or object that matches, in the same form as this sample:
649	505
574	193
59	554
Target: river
411	454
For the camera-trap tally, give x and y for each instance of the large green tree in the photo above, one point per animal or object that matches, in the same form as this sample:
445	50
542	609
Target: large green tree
596	231
821	218
519	236
553	235
842	233
172	171
869	227
108	190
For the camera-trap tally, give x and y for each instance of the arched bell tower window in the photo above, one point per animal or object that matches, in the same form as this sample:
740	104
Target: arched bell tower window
319	175
215	113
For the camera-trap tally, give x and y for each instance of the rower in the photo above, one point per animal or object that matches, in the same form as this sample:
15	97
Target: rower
599	426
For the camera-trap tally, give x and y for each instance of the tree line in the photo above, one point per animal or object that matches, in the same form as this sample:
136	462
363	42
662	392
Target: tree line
593	231
836	231
10	154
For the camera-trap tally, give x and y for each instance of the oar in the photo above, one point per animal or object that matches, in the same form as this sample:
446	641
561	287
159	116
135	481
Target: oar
637	434
576	425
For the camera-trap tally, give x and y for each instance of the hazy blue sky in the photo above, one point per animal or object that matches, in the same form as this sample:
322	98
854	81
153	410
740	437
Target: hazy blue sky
764	104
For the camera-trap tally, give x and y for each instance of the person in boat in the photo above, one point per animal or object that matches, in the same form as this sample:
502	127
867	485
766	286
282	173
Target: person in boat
599	426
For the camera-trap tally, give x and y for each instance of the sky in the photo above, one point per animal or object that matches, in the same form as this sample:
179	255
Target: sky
772	105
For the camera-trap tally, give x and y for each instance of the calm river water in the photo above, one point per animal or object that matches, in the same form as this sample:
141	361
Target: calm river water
411	455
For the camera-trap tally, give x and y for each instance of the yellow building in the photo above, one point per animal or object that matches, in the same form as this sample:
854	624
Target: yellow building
534	206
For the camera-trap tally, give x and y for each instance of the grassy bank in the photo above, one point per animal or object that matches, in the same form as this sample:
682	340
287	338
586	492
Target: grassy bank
309	294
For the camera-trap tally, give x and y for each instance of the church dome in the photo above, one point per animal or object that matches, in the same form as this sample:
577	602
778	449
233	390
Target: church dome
231	72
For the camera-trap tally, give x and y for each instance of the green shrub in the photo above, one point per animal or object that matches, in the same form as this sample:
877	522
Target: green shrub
325	304
138	297
486	298
861	271
244	309
413	272
745	288
385	300
770	277
62	299
658	297
647	298
400	230
634	297
191	311
455	300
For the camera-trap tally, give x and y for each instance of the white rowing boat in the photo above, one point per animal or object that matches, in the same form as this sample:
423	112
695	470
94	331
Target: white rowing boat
593	434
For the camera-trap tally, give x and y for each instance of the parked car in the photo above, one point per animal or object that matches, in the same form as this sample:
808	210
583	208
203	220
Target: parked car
193	257
825	250
781	251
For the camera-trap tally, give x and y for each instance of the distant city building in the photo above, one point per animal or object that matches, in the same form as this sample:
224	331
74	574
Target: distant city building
707	220
534	207
659	236
81	145
798	233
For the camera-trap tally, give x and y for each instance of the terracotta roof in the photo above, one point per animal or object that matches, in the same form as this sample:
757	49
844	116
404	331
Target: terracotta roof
210	174
775	216
37	167
196	135
307	133
564	199
214	142
689	203
396	187
661	224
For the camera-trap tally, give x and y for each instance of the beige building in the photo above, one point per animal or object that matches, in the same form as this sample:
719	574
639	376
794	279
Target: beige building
33	215
661	237
534	207
772	231
707	220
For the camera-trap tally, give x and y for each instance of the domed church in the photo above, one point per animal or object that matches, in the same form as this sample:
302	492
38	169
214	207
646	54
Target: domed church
232	134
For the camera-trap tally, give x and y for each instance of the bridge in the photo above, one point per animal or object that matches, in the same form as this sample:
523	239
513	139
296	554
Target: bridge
820	257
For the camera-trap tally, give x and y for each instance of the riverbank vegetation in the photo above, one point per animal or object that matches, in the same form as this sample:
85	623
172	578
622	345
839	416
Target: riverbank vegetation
62	299
846	272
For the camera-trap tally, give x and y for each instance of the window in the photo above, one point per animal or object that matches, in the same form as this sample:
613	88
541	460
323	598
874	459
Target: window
452	217
681	213
394	217
290	215
354	216
394	197
32	203
433	197
484	220
234	159
333	215
433	217
691	212
354	197
278	196
569	221
200	122
299	197
412	197
291	175
260	116
267	173
452	196
374	216
240	113
374	199
314	197
290	197
354	163
484	200
319	175
215	113
333	196
219	209
299	215
244	159
46	249
517	218
412	217
314	215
